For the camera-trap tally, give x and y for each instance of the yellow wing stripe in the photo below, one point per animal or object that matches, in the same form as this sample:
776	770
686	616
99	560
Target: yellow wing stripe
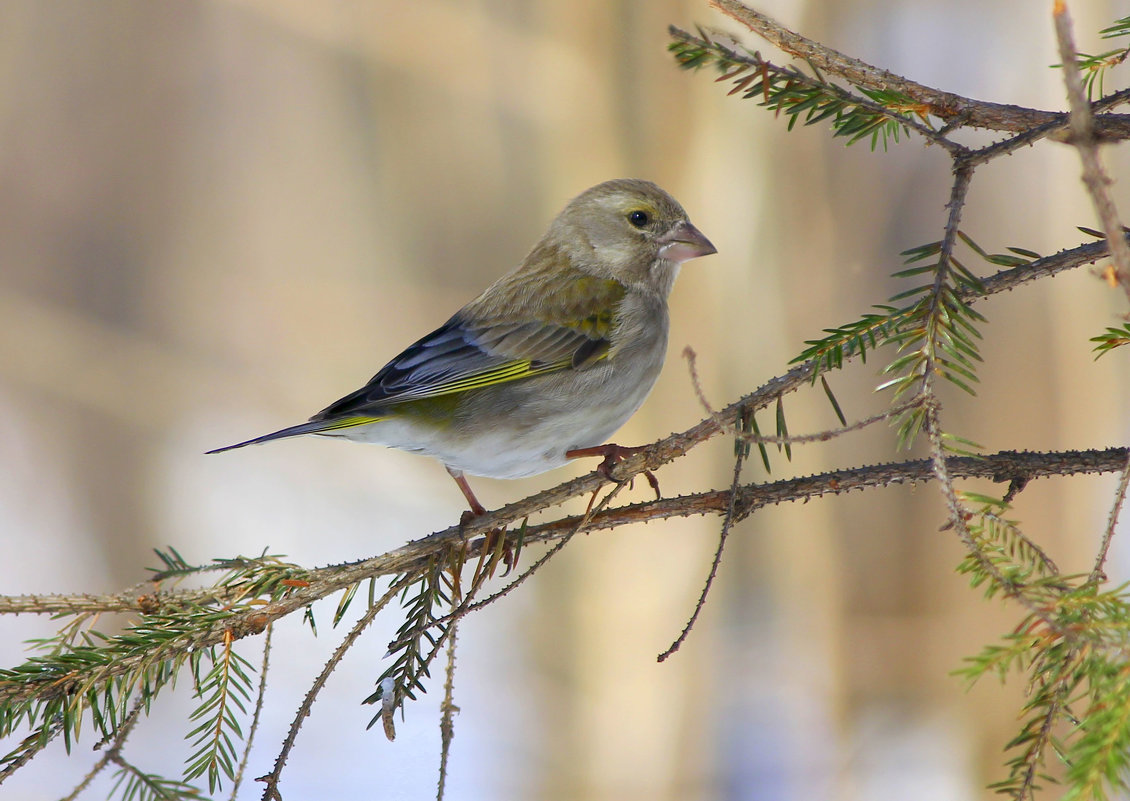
511	371
350	422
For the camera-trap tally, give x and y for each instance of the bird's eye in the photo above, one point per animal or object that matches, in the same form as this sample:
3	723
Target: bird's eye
639	218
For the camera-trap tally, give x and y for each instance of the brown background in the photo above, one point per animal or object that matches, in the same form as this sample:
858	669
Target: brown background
216	217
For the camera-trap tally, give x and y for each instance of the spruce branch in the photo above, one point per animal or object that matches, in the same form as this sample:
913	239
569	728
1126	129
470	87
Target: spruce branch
873	114
1003	466
1085	141
952	108
870	331
127	601
225	691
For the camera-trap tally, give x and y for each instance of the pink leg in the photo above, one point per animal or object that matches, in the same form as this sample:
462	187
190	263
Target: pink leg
476	507
490	541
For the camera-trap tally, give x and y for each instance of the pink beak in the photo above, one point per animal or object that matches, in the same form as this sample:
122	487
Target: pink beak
683	243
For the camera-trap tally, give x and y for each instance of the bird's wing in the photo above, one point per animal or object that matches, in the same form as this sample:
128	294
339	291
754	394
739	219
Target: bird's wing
461	355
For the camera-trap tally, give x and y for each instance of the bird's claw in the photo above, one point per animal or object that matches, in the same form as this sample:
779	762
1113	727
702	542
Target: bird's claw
614	454
654	482
466	518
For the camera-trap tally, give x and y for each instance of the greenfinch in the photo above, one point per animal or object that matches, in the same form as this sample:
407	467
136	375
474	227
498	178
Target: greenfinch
545	364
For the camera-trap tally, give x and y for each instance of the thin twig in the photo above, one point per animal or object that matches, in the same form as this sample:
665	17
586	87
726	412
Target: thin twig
271	780
958	515
1057	129
1037	745
43	739
238	779
1097	182
447	711
793	439
727	524
1097	573
831	433
113	753
963	176
1083	138
692	368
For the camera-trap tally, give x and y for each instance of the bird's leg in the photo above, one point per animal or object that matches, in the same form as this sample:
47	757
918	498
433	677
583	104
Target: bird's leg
478	510
613	454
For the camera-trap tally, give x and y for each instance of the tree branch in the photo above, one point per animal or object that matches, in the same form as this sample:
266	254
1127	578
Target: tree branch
1083	137
955	109
1000	467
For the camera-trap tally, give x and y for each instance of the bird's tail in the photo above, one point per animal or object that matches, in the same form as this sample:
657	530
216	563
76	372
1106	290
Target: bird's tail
312	427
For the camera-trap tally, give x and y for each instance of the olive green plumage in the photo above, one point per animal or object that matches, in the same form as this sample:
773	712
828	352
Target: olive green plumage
553	356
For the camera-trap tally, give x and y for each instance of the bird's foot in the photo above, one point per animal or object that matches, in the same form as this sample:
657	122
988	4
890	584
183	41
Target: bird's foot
467	516
614	454
495	543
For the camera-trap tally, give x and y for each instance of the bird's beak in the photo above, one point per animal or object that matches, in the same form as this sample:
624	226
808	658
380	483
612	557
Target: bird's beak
684	242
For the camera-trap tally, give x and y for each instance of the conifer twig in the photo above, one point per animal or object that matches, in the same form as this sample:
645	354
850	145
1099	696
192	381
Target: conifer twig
271	780
113	752
947	106
727	524
1082	126
447	711
1112	522
793	439
33	748
237	780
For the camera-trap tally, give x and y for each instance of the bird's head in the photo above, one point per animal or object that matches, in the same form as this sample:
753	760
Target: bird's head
629	230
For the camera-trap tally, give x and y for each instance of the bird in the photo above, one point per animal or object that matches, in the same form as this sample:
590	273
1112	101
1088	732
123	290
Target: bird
548	362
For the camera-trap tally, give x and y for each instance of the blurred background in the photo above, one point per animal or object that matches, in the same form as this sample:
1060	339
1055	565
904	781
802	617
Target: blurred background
217	217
